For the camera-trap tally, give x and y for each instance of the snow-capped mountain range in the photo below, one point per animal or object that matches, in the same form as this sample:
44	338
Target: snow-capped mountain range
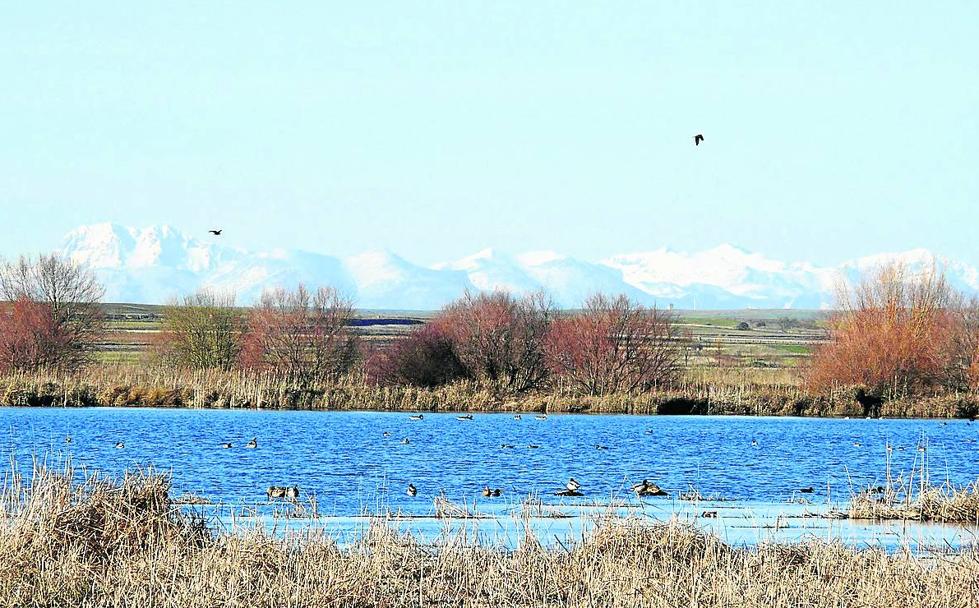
155	264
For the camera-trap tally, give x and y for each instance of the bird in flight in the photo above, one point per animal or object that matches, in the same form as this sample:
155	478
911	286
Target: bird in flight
697	139
216	232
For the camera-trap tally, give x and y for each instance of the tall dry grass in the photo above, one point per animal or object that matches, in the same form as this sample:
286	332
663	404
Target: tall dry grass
97	543
737	392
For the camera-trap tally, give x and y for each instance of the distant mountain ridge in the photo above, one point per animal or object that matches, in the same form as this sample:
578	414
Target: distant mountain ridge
155	264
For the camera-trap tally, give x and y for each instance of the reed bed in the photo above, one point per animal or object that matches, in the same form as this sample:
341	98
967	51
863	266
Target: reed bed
94	542
915	497
736	392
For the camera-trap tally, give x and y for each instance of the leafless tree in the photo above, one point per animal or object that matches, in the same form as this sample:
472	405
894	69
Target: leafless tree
499	339
70	296
615	345
301	334
202	331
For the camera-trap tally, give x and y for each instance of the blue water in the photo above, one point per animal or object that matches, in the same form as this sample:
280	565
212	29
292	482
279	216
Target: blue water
346	461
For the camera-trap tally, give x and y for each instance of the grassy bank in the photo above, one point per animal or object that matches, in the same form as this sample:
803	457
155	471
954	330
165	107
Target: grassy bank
741	392
100	543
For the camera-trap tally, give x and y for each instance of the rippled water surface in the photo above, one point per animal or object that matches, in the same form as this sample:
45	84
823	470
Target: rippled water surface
345	459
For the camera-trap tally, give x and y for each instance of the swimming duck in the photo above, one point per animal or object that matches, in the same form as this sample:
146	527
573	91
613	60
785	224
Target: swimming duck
120	445
67	438
648	489
573	485
275	492
416	417
517	417
226	445
251	445
292	493
386	434
541	417
754	443
533	446
405	441
808	490
709	514
465	417
491	492
506	446
857	444
412	490
599	446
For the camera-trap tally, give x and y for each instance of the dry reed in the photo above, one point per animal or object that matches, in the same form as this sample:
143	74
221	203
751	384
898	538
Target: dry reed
97	543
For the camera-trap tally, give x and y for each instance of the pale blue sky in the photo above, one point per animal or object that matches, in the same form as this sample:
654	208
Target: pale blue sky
832	130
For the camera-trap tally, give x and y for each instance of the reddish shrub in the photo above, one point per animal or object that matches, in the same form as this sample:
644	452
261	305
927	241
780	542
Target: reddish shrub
614	345
303	336
31	338
424	358
499	339
896	334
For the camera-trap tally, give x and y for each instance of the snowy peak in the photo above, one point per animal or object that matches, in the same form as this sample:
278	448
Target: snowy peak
158	263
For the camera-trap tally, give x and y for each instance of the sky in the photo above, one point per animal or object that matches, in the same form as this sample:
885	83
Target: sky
435	129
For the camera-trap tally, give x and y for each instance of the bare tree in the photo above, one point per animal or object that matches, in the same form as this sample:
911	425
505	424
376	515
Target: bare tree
615	345
304	336
499	339
70	296
202	331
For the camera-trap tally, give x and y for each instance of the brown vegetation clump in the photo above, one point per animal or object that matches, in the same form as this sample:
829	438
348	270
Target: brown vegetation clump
896	334
425	358
301	335
615	345
51	318
103	544
499	339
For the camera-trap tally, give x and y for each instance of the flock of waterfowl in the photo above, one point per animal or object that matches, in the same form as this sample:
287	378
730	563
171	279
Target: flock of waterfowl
571	488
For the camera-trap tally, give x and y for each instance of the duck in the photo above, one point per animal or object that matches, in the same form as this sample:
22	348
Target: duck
573	485
491	492
412	490
533	446
599	446
808	490
709	514
541	417
416	417
292	493
754	443
517	417
649	431
465	417
386	434
405	441
120	445
275	492
857	444
567	492
226	445
67	438
506	446
251	445
648	489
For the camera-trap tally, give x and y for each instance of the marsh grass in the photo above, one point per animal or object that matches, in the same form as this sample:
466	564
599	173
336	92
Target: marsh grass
73	540
916	497
716	391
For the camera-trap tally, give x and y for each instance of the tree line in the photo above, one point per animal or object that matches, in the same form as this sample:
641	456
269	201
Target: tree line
895	334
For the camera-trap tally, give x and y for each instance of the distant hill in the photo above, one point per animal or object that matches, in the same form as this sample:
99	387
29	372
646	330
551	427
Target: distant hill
154	264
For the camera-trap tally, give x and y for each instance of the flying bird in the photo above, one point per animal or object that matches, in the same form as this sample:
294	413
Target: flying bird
697	139
218	232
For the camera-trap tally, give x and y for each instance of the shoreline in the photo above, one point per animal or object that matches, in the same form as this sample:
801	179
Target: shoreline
138	386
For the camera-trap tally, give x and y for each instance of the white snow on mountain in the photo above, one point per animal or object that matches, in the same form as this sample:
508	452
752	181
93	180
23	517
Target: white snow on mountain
157	264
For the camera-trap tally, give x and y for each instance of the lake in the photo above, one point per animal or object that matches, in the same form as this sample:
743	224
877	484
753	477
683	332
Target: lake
756	465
